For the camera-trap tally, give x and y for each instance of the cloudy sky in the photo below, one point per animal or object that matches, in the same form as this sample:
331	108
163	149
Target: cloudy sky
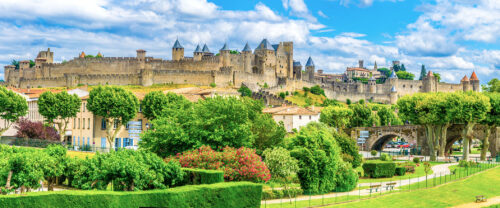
452	37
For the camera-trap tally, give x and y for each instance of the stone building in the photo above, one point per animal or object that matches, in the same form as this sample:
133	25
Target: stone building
293	117
268	63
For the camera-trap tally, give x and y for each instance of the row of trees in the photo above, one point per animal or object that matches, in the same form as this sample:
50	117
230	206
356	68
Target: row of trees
437	111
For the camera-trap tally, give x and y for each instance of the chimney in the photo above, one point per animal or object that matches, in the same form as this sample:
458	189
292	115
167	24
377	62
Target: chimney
360	63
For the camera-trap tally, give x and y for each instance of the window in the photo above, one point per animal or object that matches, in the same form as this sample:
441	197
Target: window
74	123
103	124
115	124
300	117
88	141
103	142
78	123
310	117
83	123
140	108
83	107
283	117
89	123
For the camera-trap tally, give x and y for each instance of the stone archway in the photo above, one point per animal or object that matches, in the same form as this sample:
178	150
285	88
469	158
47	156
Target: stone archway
378	142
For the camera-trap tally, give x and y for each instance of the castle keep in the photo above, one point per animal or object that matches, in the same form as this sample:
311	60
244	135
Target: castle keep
271	64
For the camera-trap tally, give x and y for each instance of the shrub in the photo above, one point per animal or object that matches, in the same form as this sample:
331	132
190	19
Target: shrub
238	164
280	163
400	171
385	157
213	85
347	178
466	164
319	157
245	91
282	95
287	93
379	169
416	160
220	195
348	101
306	89
316	89
35	130
200	176
349	148
373	152
280	193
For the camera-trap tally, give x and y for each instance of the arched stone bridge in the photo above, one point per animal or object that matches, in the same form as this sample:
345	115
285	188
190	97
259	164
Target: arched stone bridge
414	134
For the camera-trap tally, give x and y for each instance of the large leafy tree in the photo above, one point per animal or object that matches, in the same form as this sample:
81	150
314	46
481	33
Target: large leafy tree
56	164
336	116
114	104
492	121
167	137
469	109
363	116
58	108
319	158
387	116
157	103
493	86
405	75
12	107
267	132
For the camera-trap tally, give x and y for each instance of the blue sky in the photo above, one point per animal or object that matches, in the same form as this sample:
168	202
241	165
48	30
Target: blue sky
452	37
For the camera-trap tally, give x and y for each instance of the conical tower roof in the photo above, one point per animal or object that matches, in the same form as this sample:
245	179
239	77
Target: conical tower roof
393	75
473	76
198	49
82	55
393	89
430	74
205	49
465	79
247	48
225	48
265	44
310	62
177	45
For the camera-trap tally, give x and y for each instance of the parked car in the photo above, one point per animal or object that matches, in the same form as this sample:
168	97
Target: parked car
404	145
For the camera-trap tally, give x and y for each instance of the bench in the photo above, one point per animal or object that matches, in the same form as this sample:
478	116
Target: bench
410	169
390	186
374	187
480	198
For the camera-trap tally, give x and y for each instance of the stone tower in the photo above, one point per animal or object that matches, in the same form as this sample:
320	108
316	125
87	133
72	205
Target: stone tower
177	51
297	70
225	54
465	83
360	63
393	79
247	58
265	51
372	85
197	54
47	55
375	66
205	51
288	47
310	69
141	55
430	82
474	81
8	70
394	95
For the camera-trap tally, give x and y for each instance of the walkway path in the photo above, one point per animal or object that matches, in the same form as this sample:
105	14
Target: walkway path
492	201
439	170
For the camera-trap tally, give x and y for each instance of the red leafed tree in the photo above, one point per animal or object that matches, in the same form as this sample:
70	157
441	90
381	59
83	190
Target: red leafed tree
35	130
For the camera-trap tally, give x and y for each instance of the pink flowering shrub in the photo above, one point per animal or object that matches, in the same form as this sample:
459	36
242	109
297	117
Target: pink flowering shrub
241	164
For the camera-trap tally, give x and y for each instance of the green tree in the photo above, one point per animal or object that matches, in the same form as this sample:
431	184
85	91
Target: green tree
267	132
438	76
115	105
396	67
281	165
336	116
470	108
166	138
331	102
317	90
492	121
319	158
12	107
58	108
55	166
385	71
245	91
363	116
423	73
387	116
157	103
405	75
403	68
493	86
349	149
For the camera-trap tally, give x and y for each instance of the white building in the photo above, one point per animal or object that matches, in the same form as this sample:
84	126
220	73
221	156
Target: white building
293	117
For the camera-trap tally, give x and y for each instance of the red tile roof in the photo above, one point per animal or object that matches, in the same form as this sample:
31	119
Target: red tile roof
473	76
465	79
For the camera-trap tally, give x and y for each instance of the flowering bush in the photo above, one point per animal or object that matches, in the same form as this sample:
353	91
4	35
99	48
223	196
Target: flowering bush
241	164
35	130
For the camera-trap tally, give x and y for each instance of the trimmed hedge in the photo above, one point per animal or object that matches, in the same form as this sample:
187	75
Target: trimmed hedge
400	171
200	176
281	193
230	194
379	169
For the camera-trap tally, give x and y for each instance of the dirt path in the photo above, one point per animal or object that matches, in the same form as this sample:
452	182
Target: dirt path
492	201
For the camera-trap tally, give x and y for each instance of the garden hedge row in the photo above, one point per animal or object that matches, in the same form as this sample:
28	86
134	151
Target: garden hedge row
400	171
281	193
200	176
379	169
230	194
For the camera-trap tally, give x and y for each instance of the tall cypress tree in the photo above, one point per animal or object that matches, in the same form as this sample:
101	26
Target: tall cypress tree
423	72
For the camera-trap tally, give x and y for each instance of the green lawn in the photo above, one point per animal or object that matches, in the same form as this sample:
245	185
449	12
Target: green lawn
419	171
451	194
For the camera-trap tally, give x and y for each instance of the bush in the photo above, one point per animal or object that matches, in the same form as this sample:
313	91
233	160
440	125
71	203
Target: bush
416	160
385	157
282	95
280	193
400	171
280	163
373	152
348	101
306	89
221	195
35	130
317	90
349	148
200	176
379	169
347	178
245	91
213	85
466	164
238	164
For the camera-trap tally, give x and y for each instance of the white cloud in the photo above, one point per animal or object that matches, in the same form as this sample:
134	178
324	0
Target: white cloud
425	40
321	14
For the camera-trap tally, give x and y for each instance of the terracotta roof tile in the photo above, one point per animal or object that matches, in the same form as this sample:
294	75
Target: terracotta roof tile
465	79
289	110
473	76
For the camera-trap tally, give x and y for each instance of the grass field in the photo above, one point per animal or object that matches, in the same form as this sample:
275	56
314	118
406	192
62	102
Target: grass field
451	194
310	99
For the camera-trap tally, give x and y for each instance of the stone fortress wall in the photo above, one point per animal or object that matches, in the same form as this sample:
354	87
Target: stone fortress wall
266	64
